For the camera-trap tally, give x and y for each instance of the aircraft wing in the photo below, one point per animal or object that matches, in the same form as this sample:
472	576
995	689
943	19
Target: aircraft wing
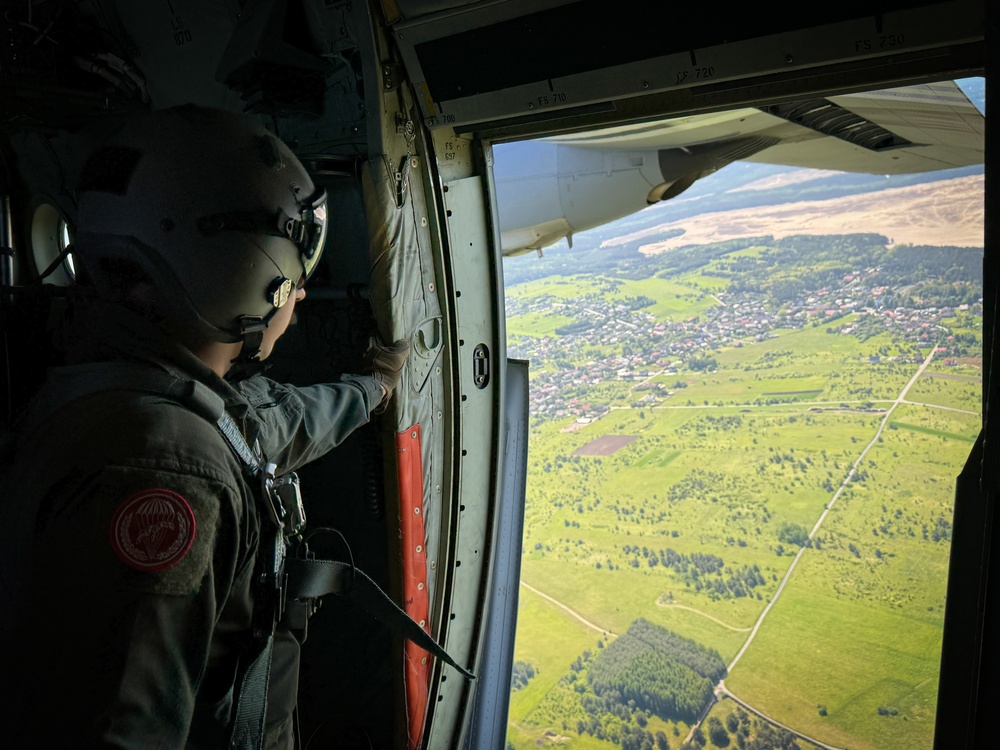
904	130
555	187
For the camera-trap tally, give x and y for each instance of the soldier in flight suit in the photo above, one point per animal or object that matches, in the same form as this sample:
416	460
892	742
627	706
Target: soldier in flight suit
133	527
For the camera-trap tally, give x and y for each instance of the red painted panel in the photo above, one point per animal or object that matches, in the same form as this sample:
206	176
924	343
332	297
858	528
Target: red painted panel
415	600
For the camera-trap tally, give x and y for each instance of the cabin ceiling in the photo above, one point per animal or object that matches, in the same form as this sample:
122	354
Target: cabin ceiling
511	68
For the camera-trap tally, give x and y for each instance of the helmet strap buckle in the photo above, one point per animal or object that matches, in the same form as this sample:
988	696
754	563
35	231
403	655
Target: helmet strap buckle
246	363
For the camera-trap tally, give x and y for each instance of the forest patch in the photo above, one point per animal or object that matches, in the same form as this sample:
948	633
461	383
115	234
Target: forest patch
662	672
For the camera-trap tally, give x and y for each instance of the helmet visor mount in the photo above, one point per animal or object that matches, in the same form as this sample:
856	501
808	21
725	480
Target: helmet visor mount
307	232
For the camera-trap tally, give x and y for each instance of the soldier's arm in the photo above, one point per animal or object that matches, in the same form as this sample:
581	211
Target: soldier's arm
300	424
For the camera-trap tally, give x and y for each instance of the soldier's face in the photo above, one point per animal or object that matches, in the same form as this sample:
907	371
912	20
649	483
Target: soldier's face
279	324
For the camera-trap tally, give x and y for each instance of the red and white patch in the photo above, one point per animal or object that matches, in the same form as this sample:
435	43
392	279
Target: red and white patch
152	530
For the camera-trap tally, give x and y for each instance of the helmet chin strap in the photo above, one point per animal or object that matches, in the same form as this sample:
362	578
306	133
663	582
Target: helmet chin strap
247	363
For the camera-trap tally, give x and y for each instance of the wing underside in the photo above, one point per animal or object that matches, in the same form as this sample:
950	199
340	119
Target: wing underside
892	131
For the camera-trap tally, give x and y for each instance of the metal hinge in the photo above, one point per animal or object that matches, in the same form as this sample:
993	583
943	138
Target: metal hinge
481	366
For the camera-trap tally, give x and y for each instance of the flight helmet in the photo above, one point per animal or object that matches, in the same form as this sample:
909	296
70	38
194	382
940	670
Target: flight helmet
210	208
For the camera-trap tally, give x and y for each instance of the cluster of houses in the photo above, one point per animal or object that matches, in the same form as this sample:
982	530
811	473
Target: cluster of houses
572	361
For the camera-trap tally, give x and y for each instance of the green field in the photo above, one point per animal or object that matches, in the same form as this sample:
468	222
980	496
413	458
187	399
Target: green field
549	639
535	324
694	523
876	613
841	614
956	394
672	299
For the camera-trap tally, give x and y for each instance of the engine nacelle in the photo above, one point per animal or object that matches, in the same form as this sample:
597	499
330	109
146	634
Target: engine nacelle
548	190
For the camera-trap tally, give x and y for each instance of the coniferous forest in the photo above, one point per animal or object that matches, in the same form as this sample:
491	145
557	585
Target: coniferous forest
664	673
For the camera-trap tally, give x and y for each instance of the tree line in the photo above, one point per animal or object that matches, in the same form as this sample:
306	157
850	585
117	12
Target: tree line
747	734
695	571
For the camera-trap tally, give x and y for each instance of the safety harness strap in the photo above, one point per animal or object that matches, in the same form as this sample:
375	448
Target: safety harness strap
251	700
309	578
227	426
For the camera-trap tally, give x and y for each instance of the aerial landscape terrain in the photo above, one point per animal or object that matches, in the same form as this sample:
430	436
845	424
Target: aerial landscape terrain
746	424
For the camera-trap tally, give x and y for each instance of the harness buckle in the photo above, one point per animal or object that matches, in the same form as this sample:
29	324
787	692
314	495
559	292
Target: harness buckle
269	605
284	500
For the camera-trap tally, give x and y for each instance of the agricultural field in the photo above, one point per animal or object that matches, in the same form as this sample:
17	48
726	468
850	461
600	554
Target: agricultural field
797	477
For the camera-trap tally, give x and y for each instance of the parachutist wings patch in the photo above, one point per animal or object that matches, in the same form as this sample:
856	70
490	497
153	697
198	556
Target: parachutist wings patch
152	530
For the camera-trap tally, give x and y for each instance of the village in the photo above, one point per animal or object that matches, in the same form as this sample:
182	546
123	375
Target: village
571	362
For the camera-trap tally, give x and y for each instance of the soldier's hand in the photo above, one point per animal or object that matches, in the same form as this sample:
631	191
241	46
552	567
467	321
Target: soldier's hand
385	364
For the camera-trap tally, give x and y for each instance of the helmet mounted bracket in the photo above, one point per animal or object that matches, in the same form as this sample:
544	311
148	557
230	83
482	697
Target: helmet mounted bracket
252	327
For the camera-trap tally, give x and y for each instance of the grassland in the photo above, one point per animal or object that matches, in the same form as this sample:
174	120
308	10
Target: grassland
672	299
945	391
875	611
549	639
727	468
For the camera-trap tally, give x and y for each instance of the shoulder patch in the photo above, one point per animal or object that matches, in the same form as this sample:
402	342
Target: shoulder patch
152	530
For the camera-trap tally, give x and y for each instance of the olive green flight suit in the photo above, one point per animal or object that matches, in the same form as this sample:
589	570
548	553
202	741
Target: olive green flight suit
103	646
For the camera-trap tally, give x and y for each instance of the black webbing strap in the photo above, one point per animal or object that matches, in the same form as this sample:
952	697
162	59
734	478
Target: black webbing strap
309	578
251	701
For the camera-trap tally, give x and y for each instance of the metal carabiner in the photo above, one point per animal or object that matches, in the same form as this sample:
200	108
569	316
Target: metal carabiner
267	480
